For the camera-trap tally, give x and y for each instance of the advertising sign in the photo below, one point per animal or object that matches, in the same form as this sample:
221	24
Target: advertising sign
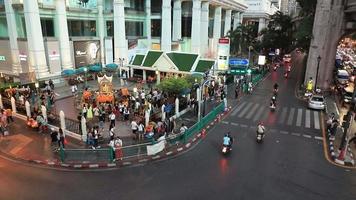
261	60
5	55
238	61
53	55
86	52
23	55
223	54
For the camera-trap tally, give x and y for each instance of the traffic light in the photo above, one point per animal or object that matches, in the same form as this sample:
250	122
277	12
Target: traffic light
346	120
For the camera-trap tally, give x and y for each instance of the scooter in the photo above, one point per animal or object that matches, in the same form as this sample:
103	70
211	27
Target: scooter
272	107
275	92
259	137
274	67
225	149
286	75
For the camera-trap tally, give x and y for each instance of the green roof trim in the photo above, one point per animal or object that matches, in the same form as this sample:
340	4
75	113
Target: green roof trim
151	58
138	59
204	65
183	61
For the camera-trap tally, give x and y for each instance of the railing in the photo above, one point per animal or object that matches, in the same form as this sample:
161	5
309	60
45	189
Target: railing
138	150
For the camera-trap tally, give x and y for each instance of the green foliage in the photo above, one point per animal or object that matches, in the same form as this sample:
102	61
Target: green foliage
193	79
278	33
174	86
243	37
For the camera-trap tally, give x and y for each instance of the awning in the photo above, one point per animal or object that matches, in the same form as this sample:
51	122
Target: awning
95	68
68	72
111	67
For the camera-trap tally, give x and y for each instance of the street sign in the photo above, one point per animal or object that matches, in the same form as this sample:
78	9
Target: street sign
238	61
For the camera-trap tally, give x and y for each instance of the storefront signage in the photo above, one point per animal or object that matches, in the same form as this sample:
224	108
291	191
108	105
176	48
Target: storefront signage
53	56
223	54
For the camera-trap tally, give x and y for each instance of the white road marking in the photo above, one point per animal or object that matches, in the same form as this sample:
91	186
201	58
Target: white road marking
316	120
318	138
290	117
307	118
299	117
283	115
306	136
234	124
180	149
238	108
252	111
284	132
225	122
296	134
259	113
244	125
245	110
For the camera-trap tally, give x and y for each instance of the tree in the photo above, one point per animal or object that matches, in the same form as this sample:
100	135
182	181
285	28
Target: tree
174	86
243	37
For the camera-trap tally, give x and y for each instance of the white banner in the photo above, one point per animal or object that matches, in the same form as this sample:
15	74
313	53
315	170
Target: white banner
156	148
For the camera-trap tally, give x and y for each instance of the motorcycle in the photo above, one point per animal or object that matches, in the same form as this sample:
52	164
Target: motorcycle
259	137
275	92
273	107
225	149
286	75
274	68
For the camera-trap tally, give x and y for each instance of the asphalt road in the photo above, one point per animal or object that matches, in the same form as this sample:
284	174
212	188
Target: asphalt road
288	165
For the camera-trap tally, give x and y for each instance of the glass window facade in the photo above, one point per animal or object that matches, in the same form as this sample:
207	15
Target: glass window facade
110	28
156	28
82	27
47	27
186	26
135	5
3	27
132	28
156	6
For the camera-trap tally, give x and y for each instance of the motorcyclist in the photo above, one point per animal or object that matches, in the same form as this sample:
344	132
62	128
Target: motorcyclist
275	86
274	100
227	141
261	129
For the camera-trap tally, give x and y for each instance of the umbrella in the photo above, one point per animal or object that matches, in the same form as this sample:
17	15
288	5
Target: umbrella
95	68
68	72
111	67
81	70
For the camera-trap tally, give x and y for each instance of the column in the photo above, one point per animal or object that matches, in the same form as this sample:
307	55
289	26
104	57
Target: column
236	20
36	51
148	23
217	23
227	22
241	17
166	33
11	26
204	39
177	20
101	33
62	33
120	42
144	76
261	24
196	20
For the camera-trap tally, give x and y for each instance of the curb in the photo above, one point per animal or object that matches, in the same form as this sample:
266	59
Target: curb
169	152
334	155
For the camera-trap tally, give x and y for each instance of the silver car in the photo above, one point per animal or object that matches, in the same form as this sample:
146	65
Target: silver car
316	102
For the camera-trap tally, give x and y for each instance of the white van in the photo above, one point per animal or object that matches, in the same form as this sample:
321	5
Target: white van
342	76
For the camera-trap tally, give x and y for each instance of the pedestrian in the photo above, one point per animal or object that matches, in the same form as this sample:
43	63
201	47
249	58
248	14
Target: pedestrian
118	148
134	128
126	113
84	111
61	139
140	129
54	139
111	132
96	138
237	91
112	119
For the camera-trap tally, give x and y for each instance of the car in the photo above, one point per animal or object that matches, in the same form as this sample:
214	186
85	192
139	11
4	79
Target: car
342	77
287	58
316	102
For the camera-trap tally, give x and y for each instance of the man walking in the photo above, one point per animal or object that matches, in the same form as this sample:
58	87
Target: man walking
112	117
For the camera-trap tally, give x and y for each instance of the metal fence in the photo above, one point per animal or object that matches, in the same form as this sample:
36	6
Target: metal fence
138	150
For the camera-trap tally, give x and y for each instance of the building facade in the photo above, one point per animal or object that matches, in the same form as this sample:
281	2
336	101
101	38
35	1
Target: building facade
41	38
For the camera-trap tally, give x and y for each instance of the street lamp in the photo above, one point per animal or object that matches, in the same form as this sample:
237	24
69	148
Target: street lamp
85	77
317	72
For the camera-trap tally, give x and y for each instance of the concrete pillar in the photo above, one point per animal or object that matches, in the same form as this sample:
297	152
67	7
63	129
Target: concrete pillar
144	76
148	23
84	129
28	108
204	33
158	77
13	105
12	31
327	31
241	17
120	42
163	118
62	32
101	32
1	104
36	51
166	32
196	20
177	107
217	23
177	20
236	20
227	22
199	102
261	24
63	121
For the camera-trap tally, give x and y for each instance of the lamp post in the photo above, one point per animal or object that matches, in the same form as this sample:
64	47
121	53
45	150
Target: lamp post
317	72
85	77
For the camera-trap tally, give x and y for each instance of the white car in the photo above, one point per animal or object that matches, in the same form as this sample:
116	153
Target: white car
316	102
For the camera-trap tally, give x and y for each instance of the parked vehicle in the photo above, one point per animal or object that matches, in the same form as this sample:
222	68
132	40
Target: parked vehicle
342	77
316	102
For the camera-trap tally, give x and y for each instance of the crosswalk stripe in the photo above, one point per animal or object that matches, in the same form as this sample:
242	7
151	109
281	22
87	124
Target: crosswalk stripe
252	111
316	120
307	118
283	115
245	110
239	107
290	117
299	117
259	113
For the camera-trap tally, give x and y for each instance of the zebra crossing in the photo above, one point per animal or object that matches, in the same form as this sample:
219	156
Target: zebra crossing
290	116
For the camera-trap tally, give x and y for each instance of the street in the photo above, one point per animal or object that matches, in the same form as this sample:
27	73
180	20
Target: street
289	164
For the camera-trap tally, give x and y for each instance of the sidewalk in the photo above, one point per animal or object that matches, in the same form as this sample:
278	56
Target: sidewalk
333	106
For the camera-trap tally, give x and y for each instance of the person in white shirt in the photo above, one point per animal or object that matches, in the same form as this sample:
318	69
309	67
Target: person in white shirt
183	128
126	113
134	128
112	117
140	130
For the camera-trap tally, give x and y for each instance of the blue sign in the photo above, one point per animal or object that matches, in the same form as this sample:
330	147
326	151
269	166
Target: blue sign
237	61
